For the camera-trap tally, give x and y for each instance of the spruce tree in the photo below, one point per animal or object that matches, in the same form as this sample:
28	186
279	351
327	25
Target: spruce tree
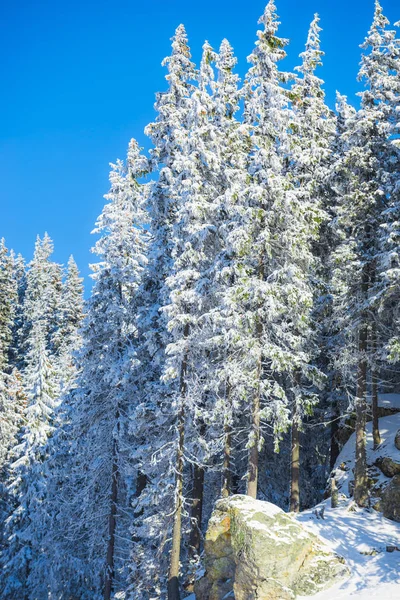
70	319
26	522
95	494
8	298
233	142
154	415
360	177
270	296
12	399
312	135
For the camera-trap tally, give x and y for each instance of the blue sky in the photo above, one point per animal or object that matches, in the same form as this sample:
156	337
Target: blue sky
79	79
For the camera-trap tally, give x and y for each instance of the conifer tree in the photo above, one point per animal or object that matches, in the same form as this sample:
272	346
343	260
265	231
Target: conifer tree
312	133
361	176
381	73
233	142
260	239
271	253
266	111
19	330
8	297
42	294
27	480
332	338
196	246
96	493
11	395
154	412
70	321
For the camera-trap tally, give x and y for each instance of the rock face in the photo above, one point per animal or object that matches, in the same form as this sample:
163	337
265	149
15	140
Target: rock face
255	551
390	504
389	467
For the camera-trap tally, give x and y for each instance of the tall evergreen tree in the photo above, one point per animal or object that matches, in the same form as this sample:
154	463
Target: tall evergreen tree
271	253
361	176
70	319
233	142
42	294
169	134
27	479
312	134
8	299
96	492
11	394
19	331
26	476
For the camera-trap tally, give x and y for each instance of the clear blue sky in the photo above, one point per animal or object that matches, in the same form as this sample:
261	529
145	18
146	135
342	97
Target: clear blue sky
79	79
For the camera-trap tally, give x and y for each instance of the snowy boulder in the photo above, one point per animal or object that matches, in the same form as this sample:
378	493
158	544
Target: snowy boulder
397	440
391	499
255	551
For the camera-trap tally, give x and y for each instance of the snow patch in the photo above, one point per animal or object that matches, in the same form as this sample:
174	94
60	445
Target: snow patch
389	400
361	535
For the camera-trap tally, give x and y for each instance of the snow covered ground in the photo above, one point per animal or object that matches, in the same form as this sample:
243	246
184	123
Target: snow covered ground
389	400
356	533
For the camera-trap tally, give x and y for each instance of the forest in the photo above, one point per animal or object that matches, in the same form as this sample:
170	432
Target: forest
243	320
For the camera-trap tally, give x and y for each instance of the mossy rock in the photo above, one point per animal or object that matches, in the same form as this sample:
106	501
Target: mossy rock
263	553
388	466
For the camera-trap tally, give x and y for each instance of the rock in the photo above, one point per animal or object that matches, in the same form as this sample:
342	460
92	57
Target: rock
397	440
388	466
377	505
391	499
257	551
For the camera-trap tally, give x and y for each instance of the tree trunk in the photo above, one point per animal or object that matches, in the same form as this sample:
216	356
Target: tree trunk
295	452
334	493
295	467
252	471
27	573
141	482
335	449
197	510
360	471
226	469
173	574
235	478
112	521
374	382
252	476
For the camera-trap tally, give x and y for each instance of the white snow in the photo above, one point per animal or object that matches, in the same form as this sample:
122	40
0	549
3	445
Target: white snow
250	505
389	400
359	535
354	534
388	427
